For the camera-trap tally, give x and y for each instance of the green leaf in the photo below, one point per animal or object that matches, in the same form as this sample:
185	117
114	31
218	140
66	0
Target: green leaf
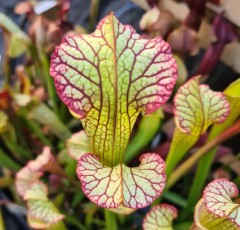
76	200
8	162
160	217
233	96
70	168
180	144
8	136
9	139
18	39
107	78
174	198
148	127
46	116
35	128
196	107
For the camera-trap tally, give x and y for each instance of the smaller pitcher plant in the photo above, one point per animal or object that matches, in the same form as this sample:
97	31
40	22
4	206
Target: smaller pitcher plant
216	210
42	213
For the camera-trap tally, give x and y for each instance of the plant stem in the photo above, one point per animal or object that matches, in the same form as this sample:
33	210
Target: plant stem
110	219
16	149
36	129
42	66
49	83
188	164
174	198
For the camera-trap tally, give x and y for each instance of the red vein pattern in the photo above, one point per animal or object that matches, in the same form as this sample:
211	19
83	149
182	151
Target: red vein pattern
160	217
204	219
33	170
25	178
42	213
132	187
109	77
196	107
217	197
43	162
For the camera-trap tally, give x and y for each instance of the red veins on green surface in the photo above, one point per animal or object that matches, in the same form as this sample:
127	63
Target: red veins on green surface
133	187
216	210
108	77
160	217
217	196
